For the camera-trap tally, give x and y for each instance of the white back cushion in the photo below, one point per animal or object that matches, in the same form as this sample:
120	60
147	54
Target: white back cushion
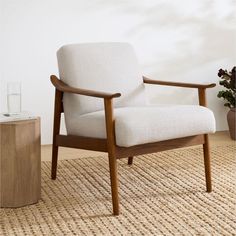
107	67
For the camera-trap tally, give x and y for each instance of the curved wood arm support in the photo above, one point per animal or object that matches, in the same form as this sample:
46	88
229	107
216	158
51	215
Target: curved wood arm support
61	86
177	84
202	97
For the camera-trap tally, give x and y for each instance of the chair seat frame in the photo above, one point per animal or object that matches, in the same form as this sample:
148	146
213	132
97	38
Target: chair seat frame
109	144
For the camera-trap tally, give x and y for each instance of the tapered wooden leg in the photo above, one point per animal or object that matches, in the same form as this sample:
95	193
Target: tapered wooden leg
130	160
114	184
110	128
54	162
58	108
206	150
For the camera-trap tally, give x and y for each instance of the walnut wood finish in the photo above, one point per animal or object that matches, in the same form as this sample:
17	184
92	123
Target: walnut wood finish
109	144
130	160
110	129
177	84
58	109
122	152
202	97
207	163
60	86
20	163
206	145
72	141
96	144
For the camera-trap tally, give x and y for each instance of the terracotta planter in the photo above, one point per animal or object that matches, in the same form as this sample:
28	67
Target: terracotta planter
231	118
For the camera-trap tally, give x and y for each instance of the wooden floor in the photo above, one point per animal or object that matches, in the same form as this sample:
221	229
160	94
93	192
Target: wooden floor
219	138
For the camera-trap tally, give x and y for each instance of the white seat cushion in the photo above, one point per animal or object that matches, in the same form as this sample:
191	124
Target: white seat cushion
140	125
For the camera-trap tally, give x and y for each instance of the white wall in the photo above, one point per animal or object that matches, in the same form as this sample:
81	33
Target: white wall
183	40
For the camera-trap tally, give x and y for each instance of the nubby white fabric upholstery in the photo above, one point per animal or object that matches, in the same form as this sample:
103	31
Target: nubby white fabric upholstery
106	67
113	67
139	125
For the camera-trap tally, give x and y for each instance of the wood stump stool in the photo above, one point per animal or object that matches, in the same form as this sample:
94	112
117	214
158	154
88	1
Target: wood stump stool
20	163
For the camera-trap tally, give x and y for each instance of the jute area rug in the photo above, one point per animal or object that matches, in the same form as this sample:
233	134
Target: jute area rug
161	194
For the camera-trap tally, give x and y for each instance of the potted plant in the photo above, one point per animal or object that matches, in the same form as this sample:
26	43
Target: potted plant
228	80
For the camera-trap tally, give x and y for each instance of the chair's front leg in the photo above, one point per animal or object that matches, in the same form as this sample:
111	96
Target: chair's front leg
206	148
110	130
114	184
207	163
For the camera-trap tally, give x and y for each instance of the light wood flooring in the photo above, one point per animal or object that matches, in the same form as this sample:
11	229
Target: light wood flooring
217	139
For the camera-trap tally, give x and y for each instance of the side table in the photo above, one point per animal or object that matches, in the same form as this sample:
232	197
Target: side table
20	163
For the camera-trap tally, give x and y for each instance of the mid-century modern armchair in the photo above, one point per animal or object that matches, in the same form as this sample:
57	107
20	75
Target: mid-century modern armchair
102	95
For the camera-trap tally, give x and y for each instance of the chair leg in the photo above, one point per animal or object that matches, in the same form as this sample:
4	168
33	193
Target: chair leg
56	130
130	160
54	161
114	184
206	150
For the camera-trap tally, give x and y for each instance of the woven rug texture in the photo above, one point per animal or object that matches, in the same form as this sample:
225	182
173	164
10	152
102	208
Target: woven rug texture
160	194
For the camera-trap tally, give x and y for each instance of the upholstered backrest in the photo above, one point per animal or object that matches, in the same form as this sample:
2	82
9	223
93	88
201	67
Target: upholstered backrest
107	67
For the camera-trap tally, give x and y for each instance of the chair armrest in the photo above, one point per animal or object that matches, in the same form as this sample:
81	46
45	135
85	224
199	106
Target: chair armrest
177	84
108	107
61	86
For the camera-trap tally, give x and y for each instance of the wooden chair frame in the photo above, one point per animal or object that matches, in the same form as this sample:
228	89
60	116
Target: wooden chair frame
109	144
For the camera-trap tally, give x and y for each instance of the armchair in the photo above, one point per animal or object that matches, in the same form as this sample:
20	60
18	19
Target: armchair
123	125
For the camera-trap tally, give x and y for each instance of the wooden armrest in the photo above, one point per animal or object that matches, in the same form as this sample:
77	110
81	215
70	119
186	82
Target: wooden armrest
61	86
177	84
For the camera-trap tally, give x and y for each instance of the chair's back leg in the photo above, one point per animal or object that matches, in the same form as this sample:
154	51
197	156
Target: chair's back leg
58	109
207	163
130	160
